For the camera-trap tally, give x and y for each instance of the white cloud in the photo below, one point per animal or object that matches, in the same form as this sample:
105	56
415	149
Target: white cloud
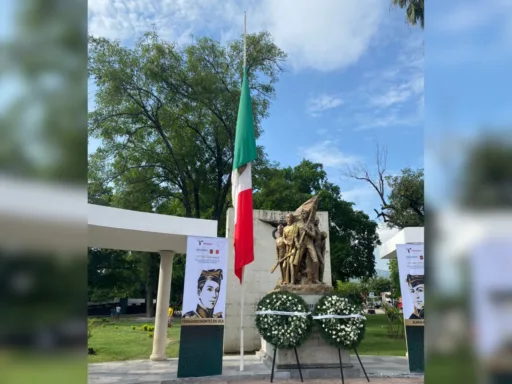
323	35
360	196
392	96
328	154
405	80
322	103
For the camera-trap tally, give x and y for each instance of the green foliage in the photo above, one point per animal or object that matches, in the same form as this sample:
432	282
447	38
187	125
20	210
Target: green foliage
351	290
283	332
52	145
150	335
395	321
487	174
395	278
134	328
358	292
414	11
160	108
406	201
111	274
379	284
353	236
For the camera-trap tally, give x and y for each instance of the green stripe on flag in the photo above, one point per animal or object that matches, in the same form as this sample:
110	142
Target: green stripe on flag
245	141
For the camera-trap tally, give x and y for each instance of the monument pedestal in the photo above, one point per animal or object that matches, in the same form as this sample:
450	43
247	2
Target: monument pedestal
317	358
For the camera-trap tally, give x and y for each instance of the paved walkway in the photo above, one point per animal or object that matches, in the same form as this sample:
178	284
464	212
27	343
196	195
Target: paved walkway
381	369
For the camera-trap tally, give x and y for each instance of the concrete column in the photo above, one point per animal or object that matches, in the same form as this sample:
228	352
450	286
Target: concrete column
162	306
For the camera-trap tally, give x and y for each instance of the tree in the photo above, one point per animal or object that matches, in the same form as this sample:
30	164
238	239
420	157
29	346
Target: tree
403	206
394	276
406	202
352	290
379	284
51	90
166	116
353	236
414	11
111	274
486	175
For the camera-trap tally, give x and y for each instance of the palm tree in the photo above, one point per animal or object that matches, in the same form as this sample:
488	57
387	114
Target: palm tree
414	11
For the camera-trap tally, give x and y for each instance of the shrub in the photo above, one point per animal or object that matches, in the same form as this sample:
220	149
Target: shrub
150	335
145	327
117	327
395	321
351	291
134	328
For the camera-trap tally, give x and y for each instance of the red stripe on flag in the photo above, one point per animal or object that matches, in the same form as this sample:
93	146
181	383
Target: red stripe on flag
243	238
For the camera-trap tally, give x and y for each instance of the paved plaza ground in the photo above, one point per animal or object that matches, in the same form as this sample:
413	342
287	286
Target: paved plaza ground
381	369
338	381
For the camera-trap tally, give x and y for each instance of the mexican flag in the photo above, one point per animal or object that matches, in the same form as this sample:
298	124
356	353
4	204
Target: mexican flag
241	181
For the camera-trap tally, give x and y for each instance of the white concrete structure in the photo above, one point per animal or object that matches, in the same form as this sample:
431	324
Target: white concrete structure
148	232
408	235
258	279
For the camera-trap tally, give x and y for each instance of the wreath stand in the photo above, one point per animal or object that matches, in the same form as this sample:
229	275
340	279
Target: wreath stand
300	371
360	362
274	364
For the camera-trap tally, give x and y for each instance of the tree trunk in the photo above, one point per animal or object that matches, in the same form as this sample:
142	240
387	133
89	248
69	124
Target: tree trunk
149	287
149	300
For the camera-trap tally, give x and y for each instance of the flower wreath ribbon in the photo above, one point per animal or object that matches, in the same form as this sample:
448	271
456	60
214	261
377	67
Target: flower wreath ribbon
282	313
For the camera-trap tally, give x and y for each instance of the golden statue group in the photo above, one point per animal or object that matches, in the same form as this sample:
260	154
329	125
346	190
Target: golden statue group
300	247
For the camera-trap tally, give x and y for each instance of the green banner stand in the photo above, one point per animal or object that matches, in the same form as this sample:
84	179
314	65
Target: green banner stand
201	350
204	308
415	348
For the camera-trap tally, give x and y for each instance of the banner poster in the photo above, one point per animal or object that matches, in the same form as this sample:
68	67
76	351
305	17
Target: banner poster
411	270
491	306
204	307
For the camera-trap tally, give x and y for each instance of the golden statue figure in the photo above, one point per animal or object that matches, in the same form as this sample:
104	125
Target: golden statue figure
320	238
300	247
281	253
307	247
290	235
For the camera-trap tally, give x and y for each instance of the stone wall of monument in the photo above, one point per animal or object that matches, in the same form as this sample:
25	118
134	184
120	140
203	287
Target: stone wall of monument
258	279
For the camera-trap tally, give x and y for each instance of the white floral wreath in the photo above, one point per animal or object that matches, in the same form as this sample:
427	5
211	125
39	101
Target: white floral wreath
283	320
341	323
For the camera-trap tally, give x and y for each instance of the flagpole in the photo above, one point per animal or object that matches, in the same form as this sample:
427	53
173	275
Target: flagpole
245	40
242	301
242	322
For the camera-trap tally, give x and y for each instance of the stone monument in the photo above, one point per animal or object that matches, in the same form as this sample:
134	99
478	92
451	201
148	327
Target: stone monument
300	257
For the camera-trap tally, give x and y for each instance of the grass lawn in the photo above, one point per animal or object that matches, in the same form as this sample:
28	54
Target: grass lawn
30	368
377	342
118	341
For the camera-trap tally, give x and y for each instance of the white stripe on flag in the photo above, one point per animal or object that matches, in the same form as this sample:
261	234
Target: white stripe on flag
240	183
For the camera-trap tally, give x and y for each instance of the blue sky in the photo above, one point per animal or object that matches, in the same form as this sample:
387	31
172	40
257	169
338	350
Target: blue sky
354	75
467	77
